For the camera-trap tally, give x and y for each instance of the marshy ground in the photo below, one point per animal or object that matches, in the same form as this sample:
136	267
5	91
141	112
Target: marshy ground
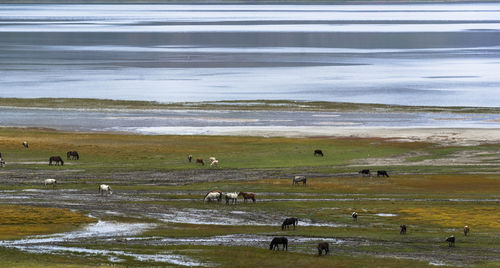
156	215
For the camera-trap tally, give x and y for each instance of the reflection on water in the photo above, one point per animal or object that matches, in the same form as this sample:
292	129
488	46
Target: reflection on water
412	54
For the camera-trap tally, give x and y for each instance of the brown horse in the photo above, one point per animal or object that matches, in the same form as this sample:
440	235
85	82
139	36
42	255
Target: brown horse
72	155
200	161
466	230
57	159
247	196
323	246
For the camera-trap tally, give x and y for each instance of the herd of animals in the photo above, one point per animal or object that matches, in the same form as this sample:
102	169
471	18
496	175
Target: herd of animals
232	197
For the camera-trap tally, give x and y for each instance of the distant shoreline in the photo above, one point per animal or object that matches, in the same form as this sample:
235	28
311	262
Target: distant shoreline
245	105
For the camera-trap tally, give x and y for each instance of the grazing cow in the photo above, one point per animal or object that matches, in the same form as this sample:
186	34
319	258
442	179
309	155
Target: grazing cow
451	241
364	172
466	230
382	173
318	152
279	240
214	163
355	216
57	159
213	195
50	181
403	229
200	161
289	221
190	158
247	196
231	197
298	179
105	188
25	144
72	155
323	246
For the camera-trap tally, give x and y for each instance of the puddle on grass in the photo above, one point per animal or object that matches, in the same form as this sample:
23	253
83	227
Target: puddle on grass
223	217
386	215
102	229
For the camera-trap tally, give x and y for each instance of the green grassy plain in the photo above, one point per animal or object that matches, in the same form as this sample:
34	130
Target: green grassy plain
433	200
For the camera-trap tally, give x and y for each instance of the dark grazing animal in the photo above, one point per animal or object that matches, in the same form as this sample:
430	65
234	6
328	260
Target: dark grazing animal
323	246
382	173
298	179
451	241
403	229
25	144
289	221
72	155
200	161
318	152
277	241
190	158
364	172
247	196
355	216
57	159
466	230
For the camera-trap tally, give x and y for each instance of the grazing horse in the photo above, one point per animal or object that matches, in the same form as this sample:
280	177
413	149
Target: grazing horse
247	196
289	221
298	179
215	194
451	241
211	159
403	229
57	159
50	181
233	197
200	161
279	240
214	163
355	216
72	155
466	230
382	173
25	144
318	152
365	172
105	188
190	158
323	246
2	162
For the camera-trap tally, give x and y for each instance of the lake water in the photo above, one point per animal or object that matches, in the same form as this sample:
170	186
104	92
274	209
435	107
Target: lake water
411	54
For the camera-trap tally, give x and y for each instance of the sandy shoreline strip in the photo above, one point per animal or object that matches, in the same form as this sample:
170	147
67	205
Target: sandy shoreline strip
444	136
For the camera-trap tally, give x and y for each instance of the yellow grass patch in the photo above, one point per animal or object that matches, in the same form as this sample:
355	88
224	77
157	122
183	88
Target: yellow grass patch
476	218
19	221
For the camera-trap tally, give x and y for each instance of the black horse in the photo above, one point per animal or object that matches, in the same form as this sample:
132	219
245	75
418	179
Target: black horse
451	241
323	246
403	229
57	159
318	152
382	173
72	155
289	221
365	172
279	240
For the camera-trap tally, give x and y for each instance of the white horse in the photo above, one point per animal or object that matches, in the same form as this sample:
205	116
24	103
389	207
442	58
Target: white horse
25	144
214	163
50	181
233	197
105	188
211	159
213	195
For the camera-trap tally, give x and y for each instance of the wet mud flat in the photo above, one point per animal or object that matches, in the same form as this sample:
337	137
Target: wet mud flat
114	241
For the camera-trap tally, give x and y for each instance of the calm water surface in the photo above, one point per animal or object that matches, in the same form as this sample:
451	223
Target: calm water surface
413	54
